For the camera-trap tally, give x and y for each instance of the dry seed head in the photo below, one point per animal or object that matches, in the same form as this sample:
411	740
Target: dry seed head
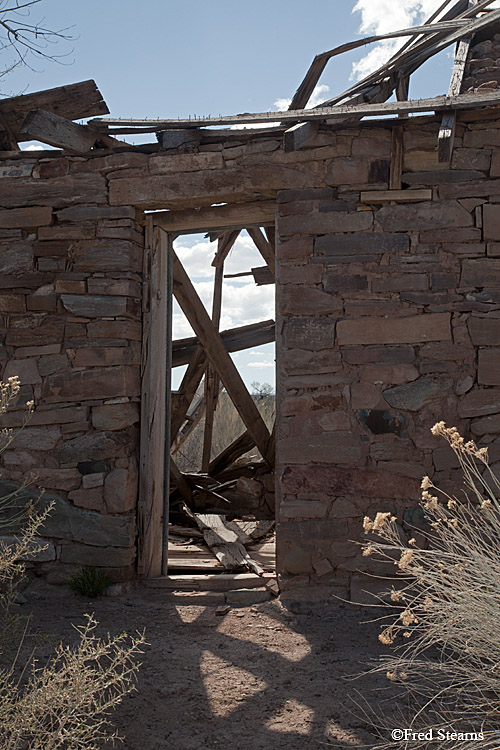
395	595
412	542
392	676
367	524
439	428
386	637
407	617
426	483
369	550
405	559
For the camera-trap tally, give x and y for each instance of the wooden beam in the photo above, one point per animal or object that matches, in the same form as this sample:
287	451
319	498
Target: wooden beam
74	102
229	455
299	135
178	479
264	248
217	353
229	216
262	275
169	139
39	125
436	104
235	339
193	418
397	152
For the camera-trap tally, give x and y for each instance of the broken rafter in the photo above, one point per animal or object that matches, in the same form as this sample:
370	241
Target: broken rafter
436	104
46	127
264	247
219	357
235	339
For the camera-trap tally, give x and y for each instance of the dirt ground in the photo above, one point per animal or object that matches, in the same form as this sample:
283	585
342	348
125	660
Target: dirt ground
260	677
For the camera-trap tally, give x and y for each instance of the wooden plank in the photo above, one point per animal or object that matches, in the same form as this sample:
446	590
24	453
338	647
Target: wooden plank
215	350
264	248
436	104
229	216
262	275
215	582
235	340
74	102
225	543
47	127
299	136
153	407
397	152
401	196
169	139
237	448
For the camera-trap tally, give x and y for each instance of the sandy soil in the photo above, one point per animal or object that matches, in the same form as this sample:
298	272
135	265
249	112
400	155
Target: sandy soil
261	677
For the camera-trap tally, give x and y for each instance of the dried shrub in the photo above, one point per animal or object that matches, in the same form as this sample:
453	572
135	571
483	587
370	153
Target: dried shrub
446	649
66	703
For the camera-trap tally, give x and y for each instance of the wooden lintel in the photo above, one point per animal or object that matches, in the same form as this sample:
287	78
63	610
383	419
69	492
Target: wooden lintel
299	135
398	196
228	216
211	340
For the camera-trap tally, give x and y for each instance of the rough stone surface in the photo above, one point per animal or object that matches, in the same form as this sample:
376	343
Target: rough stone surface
412	396
115	416
410	330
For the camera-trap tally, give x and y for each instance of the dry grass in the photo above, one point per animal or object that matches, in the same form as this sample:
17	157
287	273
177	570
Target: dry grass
65	703
446	648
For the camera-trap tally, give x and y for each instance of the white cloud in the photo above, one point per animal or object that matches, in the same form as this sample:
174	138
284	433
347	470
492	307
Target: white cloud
383	16
260	364
317	96
242	301
33	147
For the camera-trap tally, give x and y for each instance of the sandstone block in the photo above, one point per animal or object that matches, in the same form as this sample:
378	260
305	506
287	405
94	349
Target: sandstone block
56	192
36	351
430	215
35	329
401	282
90	499
101	557
480	403
16	258
294	248
489	367
94	446
297	559
57	479
309	333
307	300
364	396
129	330
36	216
53	363
115	416
68	522
486	425
120	489
343	508
96	306
165	164
92	480
42	416
119	287
302	361
107	255
70	286
413	396
81	385
344	482
292	508
12	303
395	375
346	283
101	357
357	244
411	330
442	177
25	369
348	171
484	331
483	272
308	194
491	221
38	438
329	448
92	213
322	223
393	355
473	158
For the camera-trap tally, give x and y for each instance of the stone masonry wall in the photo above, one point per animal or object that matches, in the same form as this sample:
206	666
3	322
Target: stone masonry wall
70	328
388	321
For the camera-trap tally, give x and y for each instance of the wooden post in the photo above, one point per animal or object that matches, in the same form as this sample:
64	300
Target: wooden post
166	249
215	350
397	150
211	378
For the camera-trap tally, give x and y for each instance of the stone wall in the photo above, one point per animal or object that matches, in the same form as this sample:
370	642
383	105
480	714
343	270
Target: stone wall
70	328
388	321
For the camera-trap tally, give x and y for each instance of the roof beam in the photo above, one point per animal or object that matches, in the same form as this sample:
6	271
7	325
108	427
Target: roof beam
228	216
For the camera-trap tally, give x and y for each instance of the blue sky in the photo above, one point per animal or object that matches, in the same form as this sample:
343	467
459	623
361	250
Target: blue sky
175	58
